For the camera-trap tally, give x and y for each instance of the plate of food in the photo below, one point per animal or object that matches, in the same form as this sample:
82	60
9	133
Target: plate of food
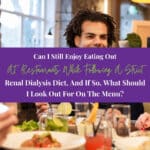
43	140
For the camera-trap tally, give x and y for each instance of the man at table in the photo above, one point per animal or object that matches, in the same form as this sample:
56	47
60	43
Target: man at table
91	29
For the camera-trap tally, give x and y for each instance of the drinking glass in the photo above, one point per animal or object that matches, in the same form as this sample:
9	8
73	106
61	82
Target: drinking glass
121	119
44	116
81	111
102	140
49	114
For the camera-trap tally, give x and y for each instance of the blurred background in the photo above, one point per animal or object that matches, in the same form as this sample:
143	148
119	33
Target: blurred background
41	23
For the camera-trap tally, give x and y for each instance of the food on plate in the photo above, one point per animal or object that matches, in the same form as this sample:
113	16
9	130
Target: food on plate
57	124
29	126
64	108
143	122
43	140
51	124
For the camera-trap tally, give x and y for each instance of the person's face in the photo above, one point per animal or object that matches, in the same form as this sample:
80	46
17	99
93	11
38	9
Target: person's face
94	34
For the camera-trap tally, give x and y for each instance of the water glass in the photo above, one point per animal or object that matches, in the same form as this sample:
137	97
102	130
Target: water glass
43	118
121	119
81	111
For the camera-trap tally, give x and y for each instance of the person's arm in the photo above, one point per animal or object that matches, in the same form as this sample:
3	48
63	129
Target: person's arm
110	113
14	105
7	119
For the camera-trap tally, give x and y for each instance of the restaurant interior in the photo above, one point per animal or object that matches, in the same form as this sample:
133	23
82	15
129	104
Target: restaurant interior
42	23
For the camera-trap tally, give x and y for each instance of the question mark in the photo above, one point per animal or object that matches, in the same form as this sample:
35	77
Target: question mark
121	93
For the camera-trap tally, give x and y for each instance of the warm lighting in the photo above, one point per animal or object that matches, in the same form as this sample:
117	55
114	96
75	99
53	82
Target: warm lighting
141	1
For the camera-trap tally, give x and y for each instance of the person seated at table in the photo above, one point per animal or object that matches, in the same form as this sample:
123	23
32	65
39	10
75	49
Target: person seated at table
87	29
93	29
7	119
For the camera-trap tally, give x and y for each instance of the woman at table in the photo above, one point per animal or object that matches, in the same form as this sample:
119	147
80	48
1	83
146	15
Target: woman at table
7	119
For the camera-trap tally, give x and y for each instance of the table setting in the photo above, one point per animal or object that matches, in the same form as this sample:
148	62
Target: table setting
130	134
87	129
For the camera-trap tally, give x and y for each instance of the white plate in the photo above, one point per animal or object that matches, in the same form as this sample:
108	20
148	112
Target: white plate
126	143
140	133
68	141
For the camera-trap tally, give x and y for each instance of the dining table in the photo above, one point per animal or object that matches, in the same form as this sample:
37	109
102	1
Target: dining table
73	129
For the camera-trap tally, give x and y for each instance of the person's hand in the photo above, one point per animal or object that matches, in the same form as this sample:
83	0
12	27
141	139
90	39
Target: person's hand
41	107
110	112
143	122
7	119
